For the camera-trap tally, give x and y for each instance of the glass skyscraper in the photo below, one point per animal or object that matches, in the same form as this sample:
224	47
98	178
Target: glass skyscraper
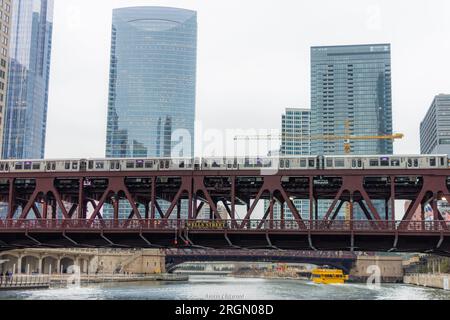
295	128
152	86
152	83
351	93
29	67
435	127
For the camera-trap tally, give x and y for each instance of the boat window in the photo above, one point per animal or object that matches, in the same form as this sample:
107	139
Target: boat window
18	166
373	162
395	163
339	163
432	162
36	166
130	165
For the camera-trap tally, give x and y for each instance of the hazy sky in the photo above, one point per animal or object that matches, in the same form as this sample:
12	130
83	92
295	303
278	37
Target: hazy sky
253	61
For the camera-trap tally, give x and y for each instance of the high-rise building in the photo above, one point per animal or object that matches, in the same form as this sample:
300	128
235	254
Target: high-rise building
5	30
28	81
435	127
152	82
295	131
152	86
351	94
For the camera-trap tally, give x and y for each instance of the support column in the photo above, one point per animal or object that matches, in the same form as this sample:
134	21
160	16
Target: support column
58	266
393	199
40	265
19	264
351	206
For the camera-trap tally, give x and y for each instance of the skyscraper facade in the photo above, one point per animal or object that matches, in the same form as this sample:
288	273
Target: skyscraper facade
5	30
152	86
351	94
435	127
152	82
295	130
28	81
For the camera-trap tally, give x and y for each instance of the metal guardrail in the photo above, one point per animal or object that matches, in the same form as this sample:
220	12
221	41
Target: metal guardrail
249	225
23	281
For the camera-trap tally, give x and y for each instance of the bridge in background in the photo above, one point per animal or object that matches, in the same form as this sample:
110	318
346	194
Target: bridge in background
65	209
341	260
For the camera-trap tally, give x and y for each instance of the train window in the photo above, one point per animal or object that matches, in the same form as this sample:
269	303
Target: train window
288	163
395	163
353	163
329	163
432	162
311	163
7	167
161	164
384	162
2	166
167	164
373	162
359	163
117	165
339	163
149	164
181	165
215	165
416	163
48	165
409	163
139	164
130	165
99	165
442	161
111	165
53	166
91	165
303	163
27	166
36	166
282	163
67	165
74	165
18	166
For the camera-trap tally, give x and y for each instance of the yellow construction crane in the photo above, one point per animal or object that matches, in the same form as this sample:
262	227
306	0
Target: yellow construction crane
346	138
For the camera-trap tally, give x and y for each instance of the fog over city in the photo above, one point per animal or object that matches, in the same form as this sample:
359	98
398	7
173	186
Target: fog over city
253	62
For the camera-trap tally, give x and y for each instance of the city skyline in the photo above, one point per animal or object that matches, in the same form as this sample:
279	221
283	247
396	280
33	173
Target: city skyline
233	82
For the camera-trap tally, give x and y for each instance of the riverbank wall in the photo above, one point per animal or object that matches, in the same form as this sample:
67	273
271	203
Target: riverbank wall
87	279
438	281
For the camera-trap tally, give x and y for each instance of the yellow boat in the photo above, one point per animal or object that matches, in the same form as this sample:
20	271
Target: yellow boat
328	276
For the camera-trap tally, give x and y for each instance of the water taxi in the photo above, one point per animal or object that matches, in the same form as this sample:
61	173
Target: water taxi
328	276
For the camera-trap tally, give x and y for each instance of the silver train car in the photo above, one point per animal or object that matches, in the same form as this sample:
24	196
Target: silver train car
377	162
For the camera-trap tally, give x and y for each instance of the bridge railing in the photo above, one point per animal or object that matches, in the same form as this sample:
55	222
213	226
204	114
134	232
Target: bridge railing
209	225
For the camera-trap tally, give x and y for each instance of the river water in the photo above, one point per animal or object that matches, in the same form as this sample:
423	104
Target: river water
226	288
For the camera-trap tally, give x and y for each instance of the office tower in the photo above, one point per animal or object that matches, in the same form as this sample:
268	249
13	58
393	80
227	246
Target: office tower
351	94
28	81
5	29
152	86
295	130
152	81
435	127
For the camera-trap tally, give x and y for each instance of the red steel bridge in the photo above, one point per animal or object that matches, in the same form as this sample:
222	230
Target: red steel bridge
33	201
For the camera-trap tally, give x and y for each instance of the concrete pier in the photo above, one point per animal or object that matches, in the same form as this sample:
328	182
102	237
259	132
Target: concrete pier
438	281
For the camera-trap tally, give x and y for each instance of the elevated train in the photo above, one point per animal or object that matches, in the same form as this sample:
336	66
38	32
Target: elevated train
354	162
